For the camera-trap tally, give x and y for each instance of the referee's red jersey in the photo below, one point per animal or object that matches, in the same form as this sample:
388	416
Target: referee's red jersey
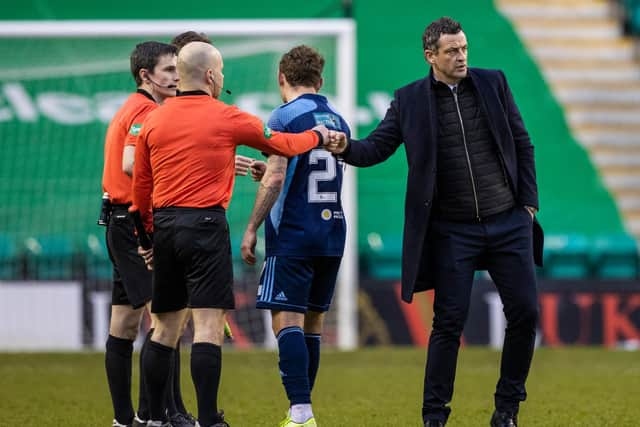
123	130
185	153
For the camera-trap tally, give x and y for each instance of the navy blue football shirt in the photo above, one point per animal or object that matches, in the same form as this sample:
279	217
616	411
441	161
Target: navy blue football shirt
307	219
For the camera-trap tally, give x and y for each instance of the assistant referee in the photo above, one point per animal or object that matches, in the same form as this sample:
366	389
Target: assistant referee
185	160
150	62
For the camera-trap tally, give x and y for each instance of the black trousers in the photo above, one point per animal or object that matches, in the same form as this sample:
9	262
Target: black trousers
502	245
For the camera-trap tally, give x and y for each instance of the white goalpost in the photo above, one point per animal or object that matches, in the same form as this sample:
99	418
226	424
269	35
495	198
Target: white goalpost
290	31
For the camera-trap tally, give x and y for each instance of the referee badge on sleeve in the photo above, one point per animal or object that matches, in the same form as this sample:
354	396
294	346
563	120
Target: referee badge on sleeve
134	130
267	132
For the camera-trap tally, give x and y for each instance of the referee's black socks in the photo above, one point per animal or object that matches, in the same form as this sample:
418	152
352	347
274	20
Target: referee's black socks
143	399
157	364
174	403
117	363
206	365
173	393
177	390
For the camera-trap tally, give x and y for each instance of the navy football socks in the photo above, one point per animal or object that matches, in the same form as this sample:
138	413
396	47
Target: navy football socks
294	364
313	348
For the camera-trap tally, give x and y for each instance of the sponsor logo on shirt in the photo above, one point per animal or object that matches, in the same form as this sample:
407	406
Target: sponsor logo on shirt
329	120
267	132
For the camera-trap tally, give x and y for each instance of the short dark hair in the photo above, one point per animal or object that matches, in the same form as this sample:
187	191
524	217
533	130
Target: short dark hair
146	55
302	66
432	33
182	39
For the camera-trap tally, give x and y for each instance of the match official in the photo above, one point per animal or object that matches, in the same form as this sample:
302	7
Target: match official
179	416
244	165
131	279
185	159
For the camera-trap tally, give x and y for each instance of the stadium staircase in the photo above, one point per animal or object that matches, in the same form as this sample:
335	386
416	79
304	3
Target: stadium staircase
592	69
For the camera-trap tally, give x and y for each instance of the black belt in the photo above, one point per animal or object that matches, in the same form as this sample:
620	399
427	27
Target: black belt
120	206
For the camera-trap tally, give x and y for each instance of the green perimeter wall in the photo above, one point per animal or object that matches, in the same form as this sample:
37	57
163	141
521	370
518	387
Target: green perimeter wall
389	55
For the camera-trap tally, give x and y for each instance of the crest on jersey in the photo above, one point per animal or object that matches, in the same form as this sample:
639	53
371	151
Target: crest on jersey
134	130
326	214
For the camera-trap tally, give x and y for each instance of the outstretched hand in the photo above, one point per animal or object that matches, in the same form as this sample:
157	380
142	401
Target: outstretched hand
336	142
257	169
322	129
245	165
242	165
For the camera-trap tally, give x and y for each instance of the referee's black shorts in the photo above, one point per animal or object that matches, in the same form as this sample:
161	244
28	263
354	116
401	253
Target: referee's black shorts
131	278
191	259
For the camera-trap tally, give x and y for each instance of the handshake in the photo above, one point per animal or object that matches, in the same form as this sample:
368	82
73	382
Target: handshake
333	141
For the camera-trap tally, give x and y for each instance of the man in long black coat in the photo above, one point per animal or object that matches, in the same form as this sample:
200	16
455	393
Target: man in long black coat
470	205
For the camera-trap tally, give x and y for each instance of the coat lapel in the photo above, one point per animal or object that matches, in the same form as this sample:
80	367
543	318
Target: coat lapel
491	104
426	119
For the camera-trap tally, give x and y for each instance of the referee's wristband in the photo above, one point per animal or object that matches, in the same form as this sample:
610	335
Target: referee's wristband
320	138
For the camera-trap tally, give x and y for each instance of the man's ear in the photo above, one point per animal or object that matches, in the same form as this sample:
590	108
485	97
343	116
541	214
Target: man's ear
428	56
319	85
143	73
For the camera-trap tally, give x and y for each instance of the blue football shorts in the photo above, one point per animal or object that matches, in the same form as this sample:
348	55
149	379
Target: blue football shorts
297	283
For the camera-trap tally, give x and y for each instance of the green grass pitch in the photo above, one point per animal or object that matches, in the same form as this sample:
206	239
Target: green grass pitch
377	387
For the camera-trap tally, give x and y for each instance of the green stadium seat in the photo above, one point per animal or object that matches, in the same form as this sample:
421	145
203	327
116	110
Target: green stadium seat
383	256
566	256
9	258
615	257
49	258
98	265
633	15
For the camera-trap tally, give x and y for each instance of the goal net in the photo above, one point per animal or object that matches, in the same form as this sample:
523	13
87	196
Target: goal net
61	82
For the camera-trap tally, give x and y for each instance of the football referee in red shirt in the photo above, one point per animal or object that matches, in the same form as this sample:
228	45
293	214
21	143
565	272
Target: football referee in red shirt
184	162
153	67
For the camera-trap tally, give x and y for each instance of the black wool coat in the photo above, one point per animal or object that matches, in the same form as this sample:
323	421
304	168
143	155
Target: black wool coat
412	119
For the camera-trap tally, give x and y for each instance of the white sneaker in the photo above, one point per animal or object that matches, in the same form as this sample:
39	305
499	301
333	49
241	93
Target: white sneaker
117	424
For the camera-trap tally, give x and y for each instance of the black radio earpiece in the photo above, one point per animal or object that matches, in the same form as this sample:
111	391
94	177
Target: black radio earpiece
159	85
227	91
